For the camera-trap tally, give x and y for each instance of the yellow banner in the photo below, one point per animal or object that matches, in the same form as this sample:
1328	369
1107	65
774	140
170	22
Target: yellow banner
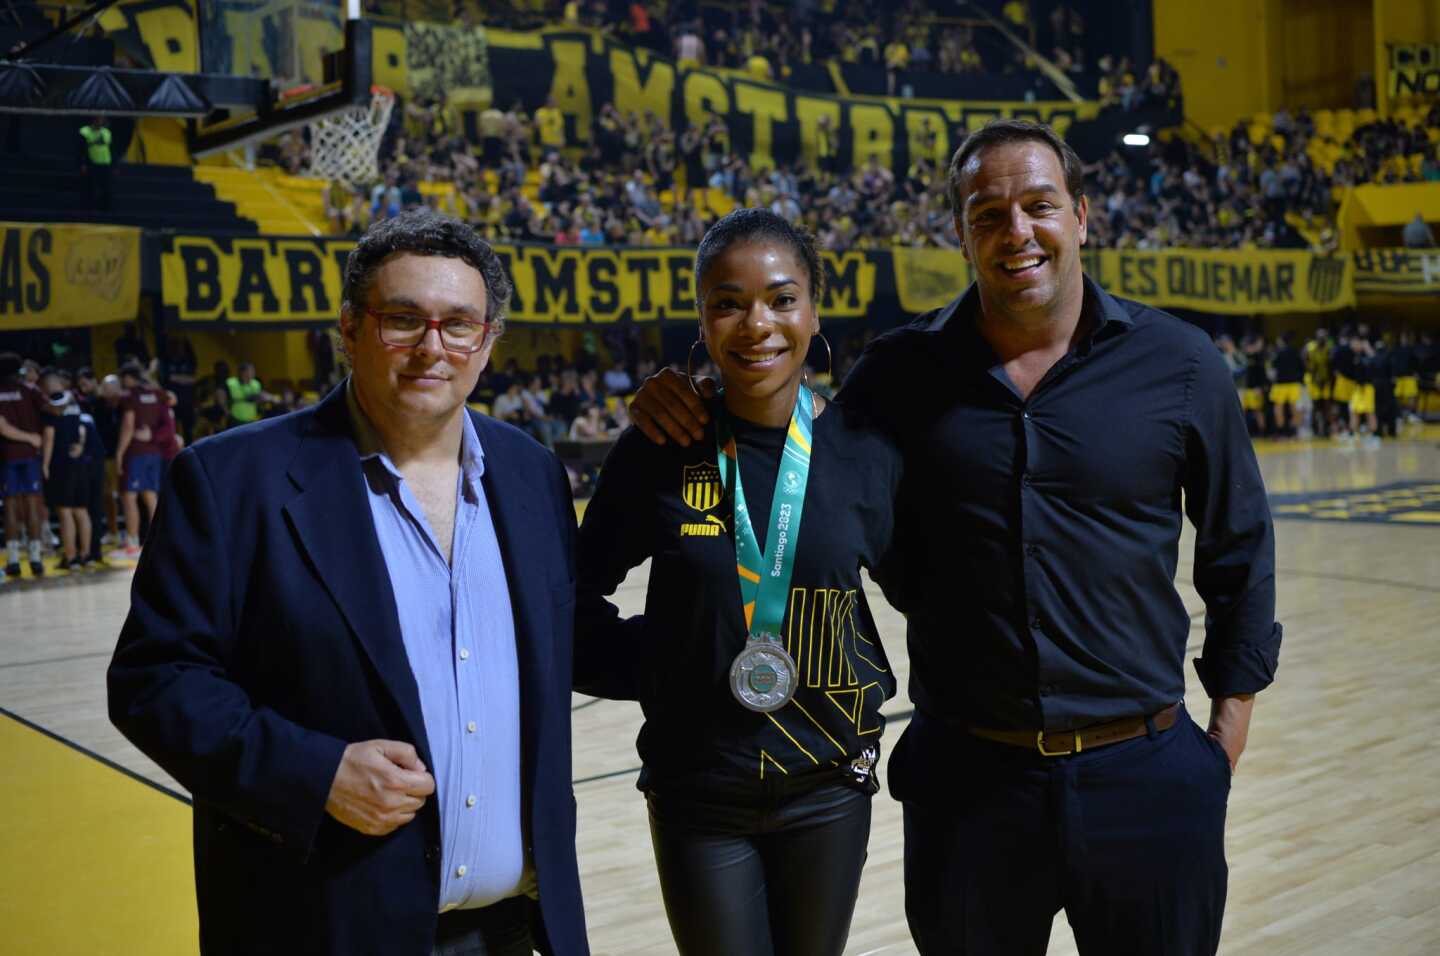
1229	282
298	280
67	276
1414	69
767	122
1397	272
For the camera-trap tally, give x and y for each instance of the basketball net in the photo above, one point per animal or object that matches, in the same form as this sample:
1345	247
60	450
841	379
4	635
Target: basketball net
346	144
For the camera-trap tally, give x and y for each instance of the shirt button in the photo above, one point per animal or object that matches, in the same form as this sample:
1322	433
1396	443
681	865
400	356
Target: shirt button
460	870
1025	415
1025	478
464	654
1037	625
470	727
470	800
1047	690
1032	549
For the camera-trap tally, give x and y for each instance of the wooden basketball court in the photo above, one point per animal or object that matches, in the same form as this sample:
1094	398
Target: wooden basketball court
1334	829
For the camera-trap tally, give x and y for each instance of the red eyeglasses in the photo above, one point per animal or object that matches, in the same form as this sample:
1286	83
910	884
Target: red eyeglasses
406	330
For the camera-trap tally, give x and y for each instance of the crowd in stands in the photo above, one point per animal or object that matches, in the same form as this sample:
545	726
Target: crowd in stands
1356	385
769	40
1243	190
642	183
637	183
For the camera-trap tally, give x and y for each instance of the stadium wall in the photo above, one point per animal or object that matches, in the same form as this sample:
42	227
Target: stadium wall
1228	54
1241	57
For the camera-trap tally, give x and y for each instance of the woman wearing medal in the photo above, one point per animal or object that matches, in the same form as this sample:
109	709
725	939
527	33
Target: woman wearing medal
756	662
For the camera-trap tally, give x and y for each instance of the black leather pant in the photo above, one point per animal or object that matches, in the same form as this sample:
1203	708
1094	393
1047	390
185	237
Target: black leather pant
759	867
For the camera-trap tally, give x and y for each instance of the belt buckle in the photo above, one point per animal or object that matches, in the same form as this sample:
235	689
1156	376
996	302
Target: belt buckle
1074	741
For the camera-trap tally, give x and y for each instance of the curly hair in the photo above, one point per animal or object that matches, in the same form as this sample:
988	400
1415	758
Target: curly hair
423	232
750	225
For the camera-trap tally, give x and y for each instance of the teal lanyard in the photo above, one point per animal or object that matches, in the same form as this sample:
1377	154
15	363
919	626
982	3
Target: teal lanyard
765	582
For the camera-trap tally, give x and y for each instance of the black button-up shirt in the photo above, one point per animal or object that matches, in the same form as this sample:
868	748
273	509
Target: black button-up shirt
1038	538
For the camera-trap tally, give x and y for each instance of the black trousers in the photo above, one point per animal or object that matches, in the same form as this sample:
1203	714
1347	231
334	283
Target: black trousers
100	176
501	929
753	867
1128	839
97	507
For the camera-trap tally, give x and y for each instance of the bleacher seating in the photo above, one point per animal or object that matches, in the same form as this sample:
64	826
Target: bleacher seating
154	197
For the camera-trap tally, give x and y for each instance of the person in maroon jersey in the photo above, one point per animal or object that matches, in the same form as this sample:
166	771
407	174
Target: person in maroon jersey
20	482
147	428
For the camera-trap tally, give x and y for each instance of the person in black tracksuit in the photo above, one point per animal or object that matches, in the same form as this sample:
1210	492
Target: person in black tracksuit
68	475
759	821
1382	377
1257	385
94	458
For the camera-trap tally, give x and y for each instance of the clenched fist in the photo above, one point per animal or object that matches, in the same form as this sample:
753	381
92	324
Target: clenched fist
379	787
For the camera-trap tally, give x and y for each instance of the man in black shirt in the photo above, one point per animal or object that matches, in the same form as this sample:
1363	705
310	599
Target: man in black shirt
1405	370
1256	382
1342	363
1051	433
1289	380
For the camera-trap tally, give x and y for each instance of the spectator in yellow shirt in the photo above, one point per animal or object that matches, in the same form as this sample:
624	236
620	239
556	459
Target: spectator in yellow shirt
759	67
96	135
551	124
897	59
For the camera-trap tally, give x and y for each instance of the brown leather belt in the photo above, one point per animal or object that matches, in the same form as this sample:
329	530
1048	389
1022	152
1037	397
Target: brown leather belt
1063	743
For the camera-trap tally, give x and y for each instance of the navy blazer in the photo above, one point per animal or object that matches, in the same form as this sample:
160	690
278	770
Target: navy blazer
263	637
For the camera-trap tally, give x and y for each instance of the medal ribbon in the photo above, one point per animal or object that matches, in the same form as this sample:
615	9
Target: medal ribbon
765	581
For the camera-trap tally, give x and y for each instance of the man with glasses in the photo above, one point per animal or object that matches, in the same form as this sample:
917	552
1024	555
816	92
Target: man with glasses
349	638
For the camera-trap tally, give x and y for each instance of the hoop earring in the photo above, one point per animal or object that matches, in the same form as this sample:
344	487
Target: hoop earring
829	355
690	367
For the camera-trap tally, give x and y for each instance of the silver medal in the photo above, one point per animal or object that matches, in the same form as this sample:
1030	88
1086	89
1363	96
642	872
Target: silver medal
763	675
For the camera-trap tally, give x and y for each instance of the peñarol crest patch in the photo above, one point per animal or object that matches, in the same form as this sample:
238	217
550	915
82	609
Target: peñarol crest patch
702	489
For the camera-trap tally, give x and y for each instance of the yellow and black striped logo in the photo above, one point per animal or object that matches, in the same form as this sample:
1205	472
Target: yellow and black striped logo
701	488
1326	278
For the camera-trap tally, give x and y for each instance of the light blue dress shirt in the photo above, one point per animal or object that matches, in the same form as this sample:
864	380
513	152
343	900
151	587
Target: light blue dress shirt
459	635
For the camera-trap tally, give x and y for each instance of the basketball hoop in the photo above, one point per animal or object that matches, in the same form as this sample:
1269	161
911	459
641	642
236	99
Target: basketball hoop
346	144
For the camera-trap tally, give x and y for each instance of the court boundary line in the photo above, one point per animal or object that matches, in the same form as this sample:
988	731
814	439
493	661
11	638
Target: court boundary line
1357	579
85	751
56	660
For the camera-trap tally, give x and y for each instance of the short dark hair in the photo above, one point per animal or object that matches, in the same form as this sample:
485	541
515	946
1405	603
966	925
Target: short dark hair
1001	132
424	232
10	365
751	225
132	369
